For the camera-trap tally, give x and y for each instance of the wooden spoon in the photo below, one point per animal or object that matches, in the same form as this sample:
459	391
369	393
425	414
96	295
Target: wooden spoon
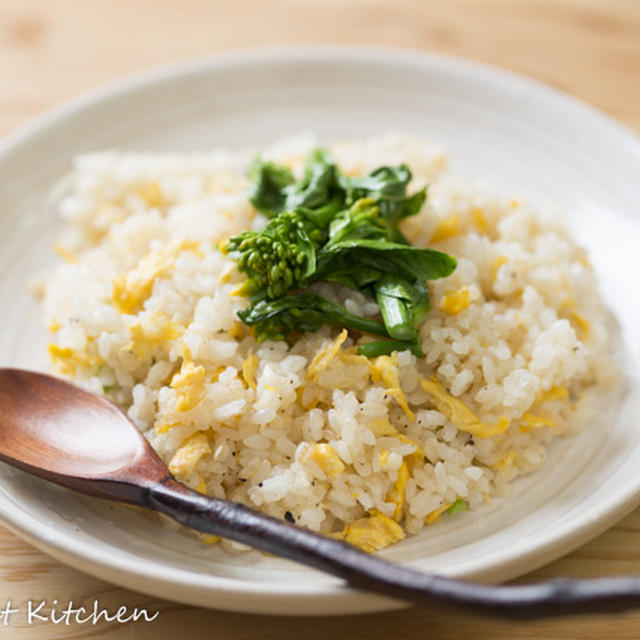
59	432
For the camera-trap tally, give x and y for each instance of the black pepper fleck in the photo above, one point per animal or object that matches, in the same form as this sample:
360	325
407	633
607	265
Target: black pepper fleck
288	516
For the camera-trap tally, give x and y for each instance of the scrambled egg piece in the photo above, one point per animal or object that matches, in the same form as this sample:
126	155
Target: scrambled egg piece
458	412
249	368
66	254
162	425
324	357
496	264
454	301
213	377
507	462
583	324
186	458
479	219
151	194
385	368
326	458
310	404
65	359
54	326
382	427
237	330
159	330
555	393
530	421
189	384
446	229
435	515
241	289
372	533
397	494
131	289
349	356
227	271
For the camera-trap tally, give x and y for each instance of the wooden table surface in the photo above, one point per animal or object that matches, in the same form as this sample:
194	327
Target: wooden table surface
52	49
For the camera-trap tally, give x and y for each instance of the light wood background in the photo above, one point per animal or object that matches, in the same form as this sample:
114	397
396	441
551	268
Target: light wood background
52	49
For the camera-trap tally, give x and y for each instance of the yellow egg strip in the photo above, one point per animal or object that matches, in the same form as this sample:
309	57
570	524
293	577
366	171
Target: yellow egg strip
65	359
530	421
447	228
157	331
162	425
384	369
479	219
555	393
371	533
460	415
312	404
507	462
189	384
435	515
496	263
398	493
324	357
583	324
249	368
54	326
151	194
236	330
241	289
227	271
382	427
185	459
131	289
455	300
66	254
325	457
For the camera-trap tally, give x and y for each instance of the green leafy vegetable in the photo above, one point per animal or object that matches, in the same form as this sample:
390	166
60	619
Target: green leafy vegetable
108	388
269	180
457	507
335	228
388	186
275	319
385	347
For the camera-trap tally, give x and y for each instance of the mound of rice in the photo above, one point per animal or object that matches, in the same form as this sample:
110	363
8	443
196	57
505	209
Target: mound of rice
143	310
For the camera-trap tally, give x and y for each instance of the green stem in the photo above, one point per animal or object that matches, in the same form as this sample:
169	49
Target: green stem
385	347
397	317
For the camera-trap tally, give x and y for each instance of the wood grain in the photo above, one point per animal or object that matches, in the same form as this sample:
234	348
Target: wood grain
52	50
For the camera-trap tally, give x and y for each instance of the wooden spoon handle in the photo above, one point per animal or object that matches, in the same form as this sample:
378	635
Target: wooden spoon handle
370	573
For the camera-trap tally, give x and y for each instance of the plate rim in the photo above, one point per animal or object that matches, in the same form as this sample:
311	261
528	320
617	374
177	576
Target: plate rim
83	556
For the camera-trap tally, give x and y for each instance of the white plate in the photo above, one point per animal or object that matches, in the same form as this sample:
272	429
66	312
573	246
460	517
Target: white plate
506	130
